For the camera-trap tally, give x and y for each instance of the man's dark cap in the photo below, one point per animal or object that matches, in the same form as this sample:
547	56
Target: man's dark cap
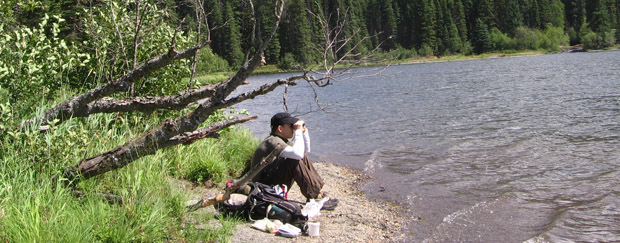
282	118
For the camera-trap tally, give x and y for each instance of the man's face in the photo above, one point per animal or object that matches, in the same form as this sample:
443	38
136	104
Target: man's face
286	130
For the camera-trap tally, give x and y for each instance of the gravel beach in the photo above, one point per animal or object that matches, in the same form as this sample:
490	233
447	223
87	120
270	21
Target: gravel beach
356	219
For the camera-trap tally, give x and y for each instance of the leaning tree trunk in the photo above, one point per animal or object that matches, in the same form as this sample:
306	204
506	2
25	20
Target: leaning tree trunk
178	130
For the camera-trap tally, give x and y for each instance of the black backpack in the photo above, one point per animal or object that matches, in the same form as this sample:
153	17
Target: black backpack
263	201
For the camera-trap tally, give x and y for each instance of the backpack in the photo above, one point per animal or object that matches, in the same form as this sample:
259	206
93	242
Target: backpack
263	201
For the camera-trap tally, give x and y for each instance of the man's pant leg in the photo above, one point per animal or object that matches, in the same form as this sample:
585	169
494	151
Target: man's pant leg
285	171
308	179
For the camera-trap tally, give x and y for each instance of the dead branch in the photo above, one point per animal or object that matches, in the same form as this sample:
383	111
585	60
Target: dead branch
148	104
335	42
120	36
77	105
209	131
162	136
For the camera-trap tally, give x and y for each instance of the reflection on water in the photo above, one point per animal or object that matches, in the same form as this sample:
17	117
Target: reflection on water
509	149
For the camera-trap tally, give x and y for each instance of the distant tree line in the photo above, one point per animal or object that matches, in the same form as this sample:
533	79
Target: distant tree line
417	27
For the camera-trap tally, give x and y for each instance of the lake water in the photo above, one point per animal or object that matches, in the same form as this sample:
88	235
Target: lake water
507	149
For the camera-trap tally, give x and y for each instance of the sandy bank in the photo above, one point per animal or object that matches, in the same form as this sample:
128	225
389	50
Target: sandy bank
356	219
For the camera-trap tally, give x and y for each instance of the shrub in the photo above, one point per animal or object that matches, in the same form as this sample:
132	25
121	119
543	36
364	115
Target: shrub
526	38
500	41
553	38
209	62
288	61
34	65
426	50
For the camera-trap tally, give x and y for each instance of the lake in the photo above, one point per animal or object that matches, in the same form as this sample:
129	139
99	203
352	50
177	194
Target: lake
503	149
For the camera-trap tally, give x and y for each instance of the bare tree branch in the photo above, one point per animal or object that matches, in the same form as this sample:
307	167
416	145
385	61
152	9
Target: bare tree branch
120	36
162	136
209	131
199	16
77	105
138	26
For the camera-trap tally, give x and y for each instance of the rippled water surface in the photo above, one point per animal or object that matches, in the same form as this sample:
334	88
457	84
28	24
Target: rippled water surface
507	149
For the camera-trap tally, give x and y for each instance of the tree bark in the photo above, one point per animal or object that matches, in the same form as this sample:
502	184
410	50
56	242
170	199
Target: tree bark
172	132
77	106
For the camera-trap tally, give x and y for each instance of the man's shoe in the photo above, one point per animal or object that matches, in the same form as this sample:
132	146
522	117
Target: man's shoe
330	204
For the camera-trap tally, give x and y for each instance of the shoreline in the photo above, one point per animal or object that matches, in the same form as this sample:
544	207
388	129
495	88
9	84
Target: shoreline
356	218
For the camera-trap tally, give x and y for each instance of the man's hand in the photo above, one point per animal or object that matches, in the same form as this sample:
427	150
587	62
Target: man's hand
300	125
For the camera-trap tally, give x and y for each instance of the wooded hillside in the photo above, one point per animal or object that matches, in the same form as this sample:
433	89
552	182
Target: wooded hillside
430	27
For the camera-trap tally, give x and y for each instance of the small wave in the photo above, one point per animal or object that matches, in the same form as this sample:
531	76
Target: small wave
373	162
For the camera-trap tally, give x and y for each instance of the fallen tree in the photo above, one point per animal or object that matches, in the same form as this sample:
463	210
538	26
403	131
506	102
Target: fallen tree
185	129
180	130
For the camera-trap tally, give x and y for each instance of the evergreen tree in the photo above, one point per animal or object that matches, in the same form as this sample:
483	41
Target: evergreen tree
298	33
448	31
318	33
406	21
616	12
485	12
545	13
231	37
512	17
600	22
373	20
427	25
460	19
557	14
265	14
480	37
215	18
388	25
531	13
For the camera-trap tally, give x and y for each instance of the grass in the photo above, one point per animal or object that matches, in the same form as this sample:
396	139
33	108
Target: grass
34	207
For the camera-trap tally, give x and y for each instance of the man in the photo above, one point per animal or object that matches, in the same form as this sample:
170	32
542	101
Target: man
292	164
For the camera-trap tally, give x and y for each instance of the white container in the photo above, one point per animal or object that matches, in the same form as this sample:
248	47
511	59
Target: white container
314	229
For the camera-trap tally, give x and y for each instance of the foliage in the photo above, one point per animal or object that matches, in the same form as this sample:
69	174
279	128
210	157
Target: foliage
214	159
208	62
397	54
33	63
501	41
288	62
111	37
553	38
34	207
526	38
426	51
481	38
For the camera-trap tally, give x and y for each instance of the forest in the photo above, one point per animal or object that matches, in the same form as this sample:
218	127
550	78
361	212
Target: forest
424	27
99	100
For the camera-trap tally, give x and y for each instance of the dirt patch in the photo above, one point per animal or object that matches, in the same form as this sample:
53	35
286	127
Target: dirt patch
355	219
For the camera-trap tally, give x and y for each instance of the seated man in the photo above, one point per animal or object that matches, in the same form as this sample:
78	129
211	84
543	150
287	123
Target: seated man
292	164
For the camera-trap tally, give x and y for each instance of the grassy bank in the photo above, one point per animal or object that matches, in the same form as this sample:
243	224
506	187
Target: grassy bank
34	207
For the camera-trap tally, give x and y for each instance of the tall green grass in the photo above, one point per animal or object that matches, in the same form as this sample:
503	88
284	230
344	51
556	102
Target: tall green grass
35	207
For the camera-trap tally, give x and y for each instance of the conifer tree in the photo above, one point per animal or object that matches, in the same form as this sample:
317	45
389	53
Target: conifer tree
512	17
480	37
531	13
299	33
544	13
215	18
272	53
427	25
388	25
406	21
485	12
231	35
460	19
557	14
600	21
